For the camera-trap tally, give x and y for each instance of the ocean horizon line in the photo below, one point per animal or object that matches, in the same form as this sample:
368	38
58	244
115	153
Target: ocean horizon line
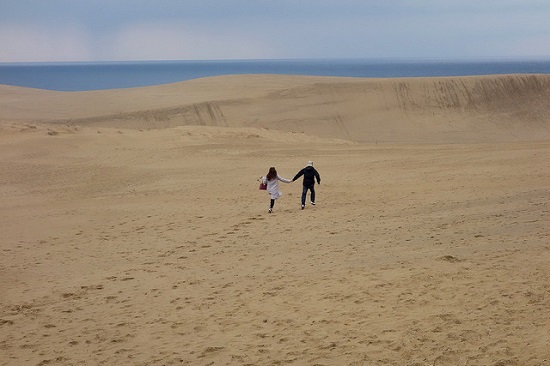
84	76
320	59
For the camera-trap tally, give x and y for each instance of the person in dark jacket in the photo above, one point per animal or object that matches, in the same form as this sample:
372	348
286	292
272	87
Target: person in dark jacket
310	175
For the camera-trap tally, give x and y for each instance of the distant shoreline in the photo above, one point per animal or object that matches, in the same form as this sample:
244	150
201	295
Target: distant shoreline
85	76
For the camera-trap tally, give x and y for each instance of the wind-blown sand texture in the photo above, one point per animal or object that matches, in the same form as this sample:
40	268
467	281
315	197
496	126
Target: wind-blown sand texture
133	231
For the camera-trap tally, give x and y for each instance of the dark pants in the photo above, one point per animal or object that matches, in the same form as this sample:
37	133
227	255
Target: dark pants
271	203
304	193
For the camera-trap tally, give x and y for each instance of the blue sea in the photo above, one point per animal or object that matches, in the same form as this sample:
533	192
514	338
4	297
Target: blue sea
81	76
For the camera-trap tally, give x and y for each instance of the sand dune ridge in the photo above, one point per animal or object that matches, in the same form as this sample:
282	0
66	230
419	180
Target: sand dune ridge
451	109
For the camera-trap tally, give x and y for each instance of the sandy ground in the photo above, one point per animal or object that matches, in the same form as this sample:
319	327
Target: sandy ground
129	246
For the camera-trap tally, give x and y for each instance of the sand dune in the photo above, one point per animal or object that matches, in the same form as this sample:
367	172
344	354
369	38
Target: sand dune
133	231
456	109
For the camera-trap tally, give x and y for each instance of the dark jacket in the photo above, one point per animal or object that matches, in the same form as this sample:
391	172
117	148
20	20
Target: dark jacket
310	174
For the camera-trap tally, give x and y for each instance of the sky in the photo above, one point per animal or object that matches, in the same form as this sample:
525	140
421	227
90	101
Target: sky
135	30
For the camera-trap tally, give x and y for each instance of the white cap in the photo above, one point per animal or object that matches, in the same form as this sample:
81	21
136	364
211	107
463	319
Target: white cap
310	163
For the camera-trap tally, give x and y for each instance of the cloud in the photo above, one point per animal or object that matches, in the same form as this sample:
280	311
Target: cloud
178	42
104	30
30	43
143	41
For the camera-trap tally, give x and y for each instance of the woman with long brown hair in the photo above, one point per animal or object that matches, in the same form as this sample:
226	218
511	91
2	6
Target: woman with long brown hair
272	180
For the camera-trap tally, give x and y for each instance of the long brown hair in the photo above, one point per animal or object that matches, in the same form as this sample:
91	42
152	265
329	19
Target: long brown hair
272	174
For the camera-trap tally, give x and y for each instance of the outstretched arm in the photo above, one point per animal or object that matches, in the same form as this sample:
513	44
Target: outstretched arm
300	173
318	177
